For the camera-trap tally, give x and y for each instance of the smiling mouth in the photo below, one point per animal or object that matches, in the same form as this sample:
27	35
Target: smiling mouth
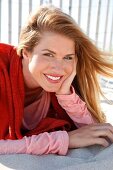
53	79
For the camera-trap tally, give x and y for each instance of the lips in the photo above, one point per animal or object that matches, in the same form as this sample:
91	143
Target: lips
53	78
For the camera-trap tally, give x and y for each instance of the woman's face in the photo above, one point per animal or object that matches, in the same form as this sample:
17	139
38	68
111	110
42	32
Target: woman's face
51	61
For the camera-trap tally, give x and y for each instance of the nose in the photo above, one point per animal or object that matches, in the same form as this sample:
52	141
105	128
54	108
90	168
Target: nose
57	65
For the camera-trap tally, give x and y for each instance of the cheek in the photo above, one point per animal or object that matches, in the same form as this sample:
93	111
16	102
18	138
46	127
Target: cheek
36	66
68	67
32	66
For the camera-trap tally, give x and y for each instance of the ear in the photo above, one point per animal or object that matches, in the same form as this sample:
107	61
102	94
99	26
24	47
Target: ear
25	54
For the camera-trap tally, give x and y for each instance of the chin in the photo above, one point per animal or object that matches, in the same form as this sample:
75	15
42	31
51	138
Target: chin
50	90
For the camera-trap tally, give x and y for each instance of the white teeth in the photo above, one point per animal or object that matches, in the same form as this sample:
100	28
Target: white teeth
53	78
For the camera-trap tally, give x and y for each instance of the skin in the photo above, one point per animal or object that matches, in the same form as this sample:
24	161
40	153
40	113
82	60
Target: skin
98	133
55	56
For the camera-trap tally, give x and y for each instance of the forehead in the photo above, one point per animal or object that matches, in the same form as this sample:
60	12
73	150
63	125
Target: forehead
56	41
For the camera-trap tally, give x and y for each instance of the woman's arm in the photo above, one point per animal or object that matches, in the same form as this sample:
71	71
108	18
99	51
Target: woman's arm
76	108
45	143
58	142
92	133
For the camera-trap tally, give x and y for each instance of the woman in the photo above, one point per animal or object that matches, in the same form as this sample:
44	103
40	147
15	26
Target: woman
49	88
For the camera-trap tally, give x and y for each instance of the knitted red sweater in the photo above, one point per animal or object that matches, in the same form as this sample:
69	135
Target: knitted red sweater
12	100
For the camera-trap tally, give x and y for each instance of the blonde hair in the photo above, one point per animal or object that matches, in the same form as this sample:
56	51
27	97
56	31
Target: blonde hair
91	61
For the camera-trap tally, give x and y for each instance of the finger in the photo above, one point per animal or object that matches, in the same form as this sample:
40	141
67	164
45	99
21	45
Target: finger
101	141
103	126
74	66
71	77
109	126
104	133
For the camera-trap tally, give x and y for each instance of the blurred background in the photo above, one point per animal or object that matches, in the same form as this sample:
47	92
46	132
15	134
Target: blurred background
95	17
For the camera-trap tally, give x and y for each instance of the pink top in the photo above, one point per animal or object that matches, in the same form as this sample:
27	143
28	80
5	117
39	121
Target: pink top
45	143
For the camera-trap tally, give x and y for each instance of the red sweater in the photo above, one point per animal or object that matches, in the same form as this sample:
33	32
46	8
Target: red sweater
12	96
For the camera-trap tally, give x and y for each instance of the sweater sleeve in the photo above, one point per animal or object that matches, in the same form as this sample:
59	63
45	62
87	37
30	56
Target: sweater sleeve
75	108
45	143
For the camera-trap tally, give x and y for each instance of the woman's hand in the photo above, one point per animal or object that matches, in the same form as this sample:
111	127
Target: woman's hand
93	134
65	87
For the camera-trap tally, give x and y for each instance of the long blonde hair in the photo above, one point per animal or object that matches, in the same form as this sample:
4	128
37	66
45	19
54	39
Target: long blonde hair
91	61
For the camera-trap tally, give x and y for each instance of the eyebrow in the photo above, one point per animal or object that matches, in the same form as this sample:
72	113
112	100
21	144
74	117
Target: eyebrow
54	52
